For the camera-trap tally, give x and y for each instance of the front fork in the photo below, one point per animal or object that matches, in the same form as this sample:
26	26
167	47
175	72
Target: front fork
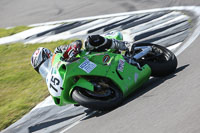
145	51
132	58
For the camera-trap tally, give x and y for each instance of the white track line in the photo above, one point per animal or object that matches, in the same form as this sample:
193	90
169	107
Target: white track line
154	24
22	35
119	14
194	35
67	34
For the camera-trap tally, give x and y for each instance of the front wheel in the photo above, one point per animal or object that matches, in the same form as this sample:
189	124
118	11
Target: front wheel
101	99
161	60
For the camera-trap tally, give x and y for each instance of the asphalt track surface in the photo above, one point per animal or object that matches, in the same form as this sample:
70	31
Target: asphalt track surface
169	104
23	12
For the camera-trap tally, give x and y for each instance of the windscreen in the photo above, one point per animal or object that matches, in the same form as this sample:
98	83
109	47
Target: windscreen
45	68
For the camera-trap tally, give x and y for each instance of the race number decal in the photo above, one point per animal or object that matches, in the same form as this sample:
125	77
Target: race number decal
54	83
87	66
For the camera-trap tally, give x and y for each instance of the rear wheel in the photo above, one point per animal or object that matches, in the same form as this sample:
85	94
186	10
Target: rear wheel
161	60
105	98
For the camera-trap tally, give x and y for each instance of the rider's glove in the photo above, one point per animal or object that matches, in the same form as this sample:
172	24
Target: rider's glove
72	50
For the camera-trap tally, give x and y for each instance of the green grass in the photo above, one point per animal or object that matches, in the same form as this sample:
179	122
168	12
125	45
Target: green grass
21	87
7	32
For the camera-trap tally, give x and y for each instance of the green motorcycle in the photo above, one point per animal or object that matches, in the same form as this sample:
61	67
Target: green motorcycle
101	80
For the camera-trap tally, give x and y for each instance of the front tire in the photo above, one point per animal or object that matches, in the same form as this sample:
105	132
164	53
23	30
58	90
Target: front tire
161	60
107	100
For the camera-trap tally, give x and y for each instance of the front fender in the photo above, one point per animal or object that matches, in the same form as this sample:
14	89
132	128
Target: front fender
83	83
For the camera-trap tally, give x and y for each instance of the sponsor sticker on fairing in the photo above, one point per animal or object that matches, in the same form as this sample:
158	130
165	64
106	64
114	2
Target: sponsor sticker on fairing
121	65
106	58
87	66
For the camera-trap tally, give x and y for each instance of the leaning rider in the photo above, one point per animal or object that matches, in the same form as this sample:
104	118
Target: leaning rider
92	43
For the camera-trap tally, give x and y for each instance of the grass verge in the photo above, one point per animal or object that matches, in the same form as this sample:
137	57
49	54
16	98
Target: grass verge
8	32
20	86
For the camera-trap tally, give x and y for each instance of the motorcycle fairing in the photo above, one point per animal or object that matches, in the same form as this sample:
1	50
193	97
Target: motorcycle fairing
126	76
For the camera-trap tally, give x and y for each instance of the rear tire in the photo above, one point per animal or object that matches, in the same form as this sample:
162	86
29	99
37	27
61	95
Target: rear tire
97	101
161	60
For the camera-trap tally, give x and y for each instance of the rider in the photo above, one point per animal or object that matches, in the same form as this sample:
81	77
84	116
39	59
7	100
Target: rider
92	43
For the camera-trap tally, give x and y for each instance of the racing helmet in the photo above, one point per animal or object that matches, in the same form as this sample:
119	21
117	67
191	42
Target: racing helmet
39	57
